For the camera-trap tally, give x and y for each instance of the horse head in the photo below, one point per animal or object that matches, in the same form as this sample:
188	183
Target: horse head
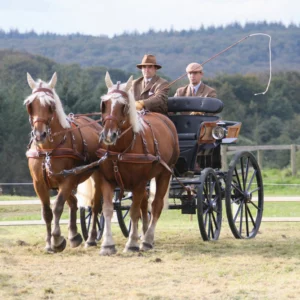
43	105
118	110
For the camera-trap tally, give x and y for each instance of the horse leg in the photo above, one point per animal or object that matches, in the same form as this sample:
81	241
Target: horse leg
144	212
135	214
43	193
96	208
157	206
108	244
58	242
74	236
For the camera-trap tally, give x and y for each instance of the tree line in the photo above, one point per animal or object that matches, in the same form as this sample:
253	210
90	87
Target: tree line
273	118
126	50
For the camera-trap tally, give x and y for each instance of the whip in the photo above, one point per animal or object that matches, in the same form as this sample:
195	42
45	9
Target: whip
226	49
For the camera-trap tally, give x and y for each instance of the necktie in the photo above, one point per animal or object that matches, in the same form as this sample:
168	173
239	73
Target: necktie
194	92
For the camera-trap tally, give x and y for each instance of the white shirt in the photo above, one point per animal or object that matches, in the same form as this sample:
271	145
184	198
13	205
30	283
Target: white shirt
196	87
147	80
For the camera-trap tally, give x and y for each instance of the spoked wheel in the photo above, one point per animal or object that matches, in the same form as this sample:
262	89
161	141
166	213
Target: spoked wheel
86	221
244	196
209	205
122	211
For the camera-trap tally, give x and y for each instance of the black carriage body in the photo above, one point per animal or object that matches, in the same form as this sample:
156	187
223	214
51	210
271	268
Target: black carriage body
195	156
201	184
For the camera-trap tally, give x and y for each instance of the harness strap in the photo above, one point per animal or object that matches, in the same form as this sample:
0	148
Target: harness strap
45	176
154	139
118	178
85	155
127	157
54	153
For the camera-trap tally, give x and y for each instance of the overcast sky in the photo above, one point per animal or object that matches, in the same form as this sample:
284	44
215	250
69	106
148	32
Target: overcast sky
109	17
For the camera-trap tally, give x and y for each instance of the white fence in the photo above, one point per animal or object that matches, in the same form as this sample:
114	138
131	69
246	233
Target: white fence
227	150
41	221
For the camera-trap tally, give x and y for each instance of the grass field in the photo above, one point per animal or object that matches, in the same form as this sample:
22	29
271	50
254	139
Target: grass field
181	266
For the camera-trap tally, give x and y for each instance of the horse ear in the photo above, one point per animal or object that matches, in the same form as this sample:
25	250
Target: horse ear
30	81
129	83
53	80
108	81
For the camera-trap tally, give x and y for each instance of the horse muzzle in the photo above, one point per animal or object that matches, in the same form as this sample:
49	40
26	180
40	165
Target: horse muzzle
39	136
110	137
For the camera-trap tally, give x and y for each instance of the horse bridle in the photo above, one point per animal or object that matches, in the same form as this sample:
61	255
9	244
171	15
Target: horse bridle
47	122
113	118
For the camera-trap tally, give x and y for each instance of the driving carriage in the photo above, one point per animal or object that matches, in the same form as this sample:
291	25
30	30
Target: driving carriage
181	153
199	184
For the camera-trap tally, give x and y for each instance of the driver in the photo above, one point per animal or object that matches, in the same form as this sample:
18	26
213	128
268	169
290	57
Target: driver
150	91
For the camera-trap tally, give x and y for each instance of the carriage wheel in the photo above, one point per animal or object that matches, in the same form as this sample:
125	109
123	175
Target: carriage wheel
122	211
244	196
209	205
85	222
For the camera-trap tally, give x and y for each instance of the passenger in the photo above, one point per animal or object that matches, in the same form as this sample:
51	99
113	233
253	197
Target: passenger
196	88
150	91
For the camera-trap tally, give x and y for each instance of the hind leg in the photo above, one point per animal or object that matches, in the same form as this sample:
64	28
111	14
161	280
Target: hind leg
96	209
144	212
74	237
162	184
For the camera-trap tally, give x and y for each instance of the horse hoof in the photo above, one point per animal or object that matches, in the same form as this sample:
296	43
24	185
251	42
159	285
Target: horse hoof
131	249
48	249
146	246
76	240
90	244
60	247
108	250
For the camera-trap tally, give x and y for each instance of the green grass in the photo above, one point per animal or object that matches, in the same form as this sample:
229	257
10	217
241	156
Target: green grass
280	183
290	187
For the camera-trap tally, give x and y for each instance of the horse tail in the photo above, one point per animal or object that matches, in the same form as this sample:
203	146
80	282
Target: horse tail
152	191
85	192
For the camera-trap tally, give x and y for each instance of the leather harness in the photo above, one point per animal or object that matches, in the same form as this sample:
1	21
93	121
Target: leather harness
132	158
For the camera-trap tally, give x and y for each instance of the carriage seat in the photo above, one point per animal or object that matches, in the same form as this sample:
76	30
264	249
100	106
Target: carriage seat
198	104
188	126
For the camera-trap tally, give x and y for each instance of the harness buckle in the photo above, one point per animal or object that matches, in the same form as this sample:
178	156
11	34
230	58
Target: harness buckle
116	169
47	158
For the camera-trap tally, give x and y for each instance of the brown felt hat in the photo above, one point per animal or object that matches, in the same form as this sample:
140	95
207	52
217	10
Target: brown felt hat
148	60
194	67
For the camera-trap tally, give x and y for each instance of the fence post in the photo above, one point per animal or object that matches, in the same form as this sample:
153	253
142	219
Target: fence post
224	157
260	158
293	160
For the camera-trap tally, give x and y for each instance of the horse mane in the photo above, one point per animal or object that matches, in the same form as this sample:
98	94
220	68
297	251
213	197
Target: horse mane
46	99
135	118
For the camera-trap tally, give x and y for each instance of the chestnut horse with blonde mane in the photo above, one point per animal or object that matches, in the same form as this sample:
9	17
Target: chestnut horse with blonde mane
58	143
135	147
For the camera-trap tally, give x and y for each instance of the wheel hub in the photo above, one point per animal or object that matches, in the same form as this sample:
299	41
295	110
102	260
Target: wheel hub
247	196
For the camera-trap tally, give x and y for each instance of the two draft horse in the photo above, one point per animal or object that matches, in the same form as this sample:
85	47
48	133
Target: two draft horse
58	143
136	147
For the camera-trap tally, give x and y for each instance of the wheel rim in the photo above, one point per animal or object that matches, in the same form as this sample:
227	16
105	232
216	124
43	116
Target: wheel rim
244	196
209	205
122	209
85	222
